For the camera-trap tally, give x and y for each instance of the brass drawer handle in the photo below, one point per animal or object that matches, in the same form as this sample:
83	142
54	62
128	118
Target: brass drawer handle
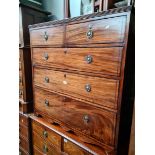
45	134
45	36
46	79
90	33
88	87
89	59
45	149
46	56
47	103
86	118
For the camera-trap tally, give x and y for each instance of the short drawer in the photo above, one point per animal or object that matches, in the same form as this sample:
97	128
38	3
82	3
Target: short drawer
91	60
100	91
47	134
52	36
111	30
23	120
23	131
23	143
80	117
72	149
43	146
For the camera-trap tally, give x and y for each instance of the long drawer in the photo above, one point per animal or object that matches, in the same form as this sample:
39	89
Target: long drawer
93	122
52	36
91	60
109	30
96	90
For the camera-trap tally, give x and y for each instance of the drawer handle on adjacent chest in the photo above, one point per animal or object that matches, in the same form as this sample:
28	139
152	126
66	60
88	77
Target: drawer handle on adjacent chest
46	79
45	36
88	87
45	149
89	59
46	56
45	134
47	103
86	118
89	34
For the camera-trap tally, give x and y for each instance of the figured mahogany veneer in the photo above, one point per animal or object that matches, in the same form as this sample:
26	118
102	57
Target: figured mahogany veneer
104	60
74	85
100	124
72	149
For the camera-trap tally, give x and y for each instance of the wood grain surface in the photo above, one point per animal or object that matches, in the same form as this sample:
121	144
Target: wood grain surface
104	60
103	91
104	31
55	36
50	136
100	124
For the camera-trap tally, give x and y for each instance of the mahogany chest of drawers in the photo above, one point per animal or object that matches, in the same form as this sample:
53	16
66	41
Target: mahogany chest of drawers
83	73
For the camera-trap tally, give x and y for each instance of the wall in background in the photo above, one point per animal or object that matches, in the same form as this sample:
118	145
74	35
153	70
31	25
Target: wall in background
56	7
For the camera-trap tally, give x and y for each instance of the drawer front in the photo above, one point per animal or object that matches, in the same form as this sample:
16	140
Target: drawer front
109	30
23	120
47	36
23	143
23	131
47	134
43	146
96	60
72	149
93	122
97	90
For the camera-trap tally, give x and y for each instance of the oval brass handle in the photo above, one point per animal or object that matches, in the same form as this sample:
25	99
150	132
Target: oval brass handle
86	118
88	87
46	56
45	134
89	34
46	102
89	59
46	79
45	149
45	36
